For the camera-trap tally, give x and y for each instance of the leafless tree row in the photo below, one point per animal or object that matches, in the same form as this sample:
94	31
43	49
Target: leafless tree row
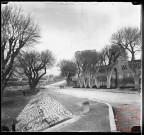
90	62
17	32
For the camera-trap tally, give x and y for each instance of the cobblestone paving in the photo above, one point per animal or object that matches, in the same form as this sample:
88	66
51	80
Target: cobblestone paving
41	112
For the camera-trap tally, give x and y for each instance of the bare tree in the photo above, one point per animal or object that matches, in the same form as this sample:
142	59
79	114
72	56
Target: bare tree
77	60
17	31
102	56
90	62
87	63
34	65
130	39
68	69
112	53
80	60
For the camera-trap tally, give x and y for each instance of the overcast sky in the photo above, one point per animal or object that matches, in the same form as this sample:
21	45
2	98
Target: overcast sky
67	27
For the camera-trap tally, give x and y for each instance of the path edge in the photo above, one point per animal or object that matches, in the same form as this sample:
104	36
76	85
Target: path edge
62	125
111	116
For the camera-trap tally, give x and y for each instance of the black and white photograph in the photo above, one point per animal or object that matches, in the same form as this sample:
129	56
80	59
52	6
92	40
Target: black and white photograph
71	66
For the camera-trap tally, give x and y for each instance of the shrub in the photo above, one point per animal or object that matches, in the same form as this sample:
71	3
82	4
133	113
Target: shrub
102	78
94	86
123	87
87	86
83	86
127	80
76	86
103	87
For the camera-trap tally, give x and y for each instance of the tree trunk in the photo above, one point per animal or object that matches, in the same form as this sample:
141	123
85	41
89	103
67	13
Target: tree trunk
80	82
1	97
32	88
90	81
109	75
84	83
133	56
32	85
68	79
2	90
4	82
136	80
96	82
68	82
3	86
108	81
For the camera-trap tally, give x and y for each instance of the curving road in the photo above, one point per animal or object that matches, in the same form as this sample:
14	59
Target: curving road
112	96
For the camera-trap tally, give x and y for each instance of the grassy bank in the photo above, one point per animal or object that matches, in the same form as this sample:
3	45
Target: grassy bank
12	105
14	101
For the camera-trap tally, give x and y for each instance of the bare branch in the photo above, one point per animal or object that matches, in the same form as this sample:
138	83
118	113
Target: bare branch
17	32
128	38
33	63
